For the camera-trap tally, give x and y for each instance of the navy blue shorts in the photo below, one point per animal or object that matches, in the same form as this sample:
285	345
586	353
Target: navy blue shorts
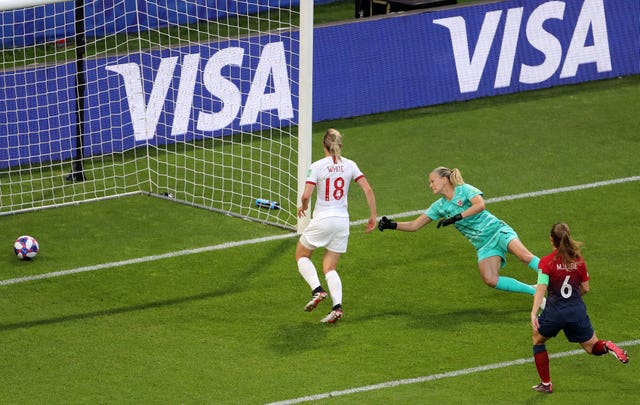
575	324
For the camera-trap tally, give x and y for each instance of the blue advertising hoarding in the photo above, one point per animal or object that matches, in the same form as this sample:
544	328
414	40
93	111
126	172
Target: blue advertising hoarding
468	52
47	23
363	67
37	112
191	93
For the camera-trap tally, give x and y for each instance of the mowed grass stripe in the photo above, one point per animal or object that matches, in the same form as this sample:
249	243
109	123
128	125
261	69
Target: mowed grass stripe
433	377
229	245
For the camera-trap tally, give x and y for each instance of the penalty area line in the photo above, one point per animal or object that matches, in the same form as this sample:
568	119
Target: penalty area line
286	236
433	377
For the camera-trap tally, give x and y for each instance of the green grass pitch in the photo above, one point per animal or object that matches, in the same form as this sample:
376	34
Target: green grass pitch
226	325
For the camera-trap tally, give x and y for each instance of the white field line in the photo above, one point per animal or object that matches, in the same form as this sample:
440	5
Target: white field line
432	377
286	236
526	195
145	259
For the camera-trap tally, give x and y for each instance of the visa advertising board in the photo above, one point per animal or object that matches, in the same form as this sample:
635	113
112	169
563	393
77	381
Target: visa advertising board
362	67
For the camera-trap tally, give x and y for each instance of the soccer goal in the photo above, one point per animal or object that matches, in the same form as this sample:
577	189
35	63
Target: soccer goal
200	102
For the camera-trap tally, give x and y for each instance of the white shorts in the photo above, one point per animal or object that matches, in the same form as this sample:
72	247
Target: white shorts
331	233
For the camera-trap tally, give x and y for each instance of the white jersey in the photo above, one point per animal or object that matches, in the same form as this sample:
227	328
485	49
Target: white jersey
332	178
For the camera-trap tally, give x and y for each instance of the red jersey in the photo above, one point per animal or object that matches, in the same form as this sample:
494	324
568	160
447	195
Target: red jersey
564	279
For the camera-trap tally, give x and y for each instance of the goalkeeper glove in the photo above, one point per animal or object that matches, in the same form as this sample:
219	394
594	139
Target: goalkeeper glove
386	223
449	221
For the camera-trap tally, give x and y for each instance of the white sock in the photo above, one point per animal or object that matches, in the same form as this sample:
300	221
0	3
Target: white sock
335	287
308	272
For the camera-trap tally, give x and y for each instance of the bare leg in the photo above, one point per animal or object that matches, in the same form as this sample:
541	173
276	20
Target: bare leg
489	268
489	271
517	248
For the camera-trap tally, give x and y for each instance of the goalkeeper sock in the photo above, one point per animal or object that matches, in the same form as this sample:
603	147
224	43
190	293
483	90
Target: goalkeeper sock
335	286
533	264
513	285
308	272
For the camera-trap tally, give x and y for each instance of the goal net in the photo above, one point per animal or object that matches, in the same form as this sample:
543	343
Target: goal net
201	102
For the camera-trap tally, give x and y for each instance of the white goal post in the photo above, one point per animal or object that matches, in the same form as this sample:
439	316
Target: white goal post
175	99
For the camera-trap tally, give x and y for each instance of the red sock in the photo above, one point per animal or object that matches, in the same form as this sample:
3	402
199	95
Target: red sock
541	357
599	348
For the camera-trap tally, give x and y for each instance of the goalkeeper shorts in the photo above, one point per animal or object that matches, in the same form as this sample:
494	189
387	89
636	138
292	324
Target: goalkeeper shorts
498	245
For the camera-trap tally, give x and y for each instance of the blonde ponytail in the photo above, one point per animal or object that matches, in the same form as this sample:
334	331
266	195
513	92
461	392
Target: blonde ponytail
454	175
333	142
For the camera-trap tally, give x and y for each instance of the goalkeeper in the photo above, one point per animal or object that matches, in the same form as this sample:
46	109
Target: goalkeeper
462	205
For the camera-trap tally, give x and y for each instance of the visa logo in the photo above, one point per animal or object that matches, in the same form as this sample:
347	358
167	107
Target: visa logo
589	44
269	91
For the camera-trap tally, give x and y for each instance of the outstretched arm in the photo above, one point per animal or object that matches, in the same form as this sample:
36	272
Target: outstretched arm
416	224
408	226
371	201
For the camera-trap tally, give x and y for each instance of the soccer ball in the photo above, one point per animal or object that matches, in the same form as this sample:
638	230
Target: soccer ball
26	247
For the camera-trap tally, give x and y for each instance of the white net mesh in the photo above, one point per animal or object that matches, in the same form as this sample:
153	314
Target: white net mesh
196	101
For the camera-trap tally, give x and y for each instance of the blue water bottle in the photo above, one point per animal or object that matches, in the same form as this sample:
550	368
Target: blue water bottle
263	203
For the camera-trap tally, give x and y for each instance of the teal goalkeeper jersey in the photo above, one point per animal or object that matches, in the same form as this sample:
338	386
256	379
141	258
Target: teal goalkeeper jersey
478	228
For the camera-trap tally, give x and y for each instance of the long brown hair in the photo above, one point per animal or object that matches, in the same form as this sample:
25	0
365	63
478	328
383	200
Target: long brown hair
567	248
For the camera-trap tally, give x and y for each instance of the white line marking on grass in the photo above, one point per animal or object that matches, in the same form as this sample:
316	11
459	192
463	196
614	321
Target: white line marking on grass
145	259
432	377
286	236
528	195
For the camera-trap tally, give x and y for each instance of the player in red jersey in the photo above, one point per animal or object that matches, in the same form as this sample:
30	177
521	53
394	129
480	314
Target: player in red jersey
564	275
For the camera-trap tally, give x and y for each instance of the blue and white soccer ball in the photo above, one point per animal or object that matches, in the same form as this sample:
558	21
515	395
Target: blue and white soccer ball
26	247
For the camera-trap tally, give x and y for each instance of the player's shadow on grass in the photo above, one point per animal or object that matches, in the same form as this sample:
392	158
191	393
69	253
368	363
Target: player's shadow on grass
447	320
113	311
239	283
300	337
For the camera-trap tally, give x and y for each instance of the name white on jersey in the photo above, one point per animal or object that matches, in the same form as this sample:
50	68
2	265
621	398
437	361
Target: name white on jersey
332	179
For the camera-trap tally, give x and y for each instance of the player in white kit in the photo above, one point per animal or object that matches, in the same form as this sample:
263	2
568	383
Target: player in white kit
329	225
